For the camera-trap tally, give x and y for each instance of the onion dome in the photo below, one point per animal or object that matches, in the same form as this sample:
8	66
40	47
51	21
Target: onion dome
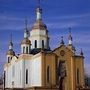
26	41
10	52
39	25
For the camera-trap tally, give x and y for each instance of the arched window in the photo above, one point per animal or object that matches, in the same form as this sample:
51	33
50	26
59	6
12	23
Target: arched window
42	43
35	43
77	76
26	76
48	74
23	49
26	50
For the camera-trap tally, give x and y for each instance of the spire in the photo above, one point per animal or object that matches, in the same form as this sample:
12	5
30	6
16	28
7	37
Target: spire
26	21
10	51
62	42
81	53
39	3
10	44
26	33
39	12
70	37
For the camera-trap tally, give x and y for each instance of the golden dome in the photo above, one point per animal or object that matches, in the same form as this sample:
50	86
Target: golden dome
11	52
39	25
26	41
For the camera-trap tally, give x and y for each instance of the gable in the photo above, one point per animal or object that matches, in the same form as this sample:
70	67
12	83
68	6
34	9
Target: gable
63	52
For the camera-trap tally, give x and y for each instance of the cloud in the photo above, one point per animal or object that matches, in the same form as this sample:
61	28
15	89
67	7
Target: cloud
7	17
59	22
60	25
74	16
8	22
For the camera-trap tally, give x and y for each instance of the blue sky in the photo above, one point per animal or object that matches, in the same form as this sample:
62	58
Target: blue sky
58	15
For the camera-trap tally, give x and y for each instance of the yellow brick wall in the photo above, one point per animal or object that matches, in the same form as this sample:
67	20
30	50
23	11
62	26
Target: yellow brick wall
72	62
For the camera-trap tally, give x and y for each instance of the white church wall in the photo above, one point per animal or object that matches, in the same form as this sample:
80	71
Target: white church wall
19	74
6	76
16	72
9	77
22	72
34	71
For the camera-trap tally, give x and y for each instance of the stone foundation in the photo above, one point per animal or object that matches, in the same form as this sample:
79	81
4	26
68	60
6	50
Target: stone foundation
34	88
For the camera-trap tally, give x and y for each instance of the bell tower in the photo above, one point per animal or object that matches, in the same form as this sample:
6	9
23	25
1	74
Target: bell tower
39	33
26	44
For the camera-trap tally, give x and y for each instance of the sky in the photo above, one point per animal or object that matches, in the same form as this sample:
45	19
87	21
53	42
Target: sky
58	15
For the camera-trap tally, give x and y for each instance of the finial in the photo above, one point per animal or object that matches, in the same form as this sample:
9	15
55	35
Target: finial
26	32
26	21
39	3
70	30
62	42
11	37
38	12
10	43
11	40
81	53
70	37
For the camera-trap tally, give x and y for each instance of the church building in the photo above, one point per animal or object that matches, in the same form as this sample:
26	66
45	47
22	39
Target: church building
38	67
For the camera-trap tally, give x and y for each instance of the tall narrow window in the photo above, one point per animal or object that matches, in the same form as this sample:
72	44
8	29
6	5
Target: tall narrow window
77	76
23	49
48	74
35	43
8	59
42	43
4	79
26	76
26	50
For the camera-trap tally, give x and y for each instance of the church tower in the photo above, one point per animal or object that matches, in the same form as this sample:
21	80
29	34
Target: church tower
39	33
10	52
25	44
